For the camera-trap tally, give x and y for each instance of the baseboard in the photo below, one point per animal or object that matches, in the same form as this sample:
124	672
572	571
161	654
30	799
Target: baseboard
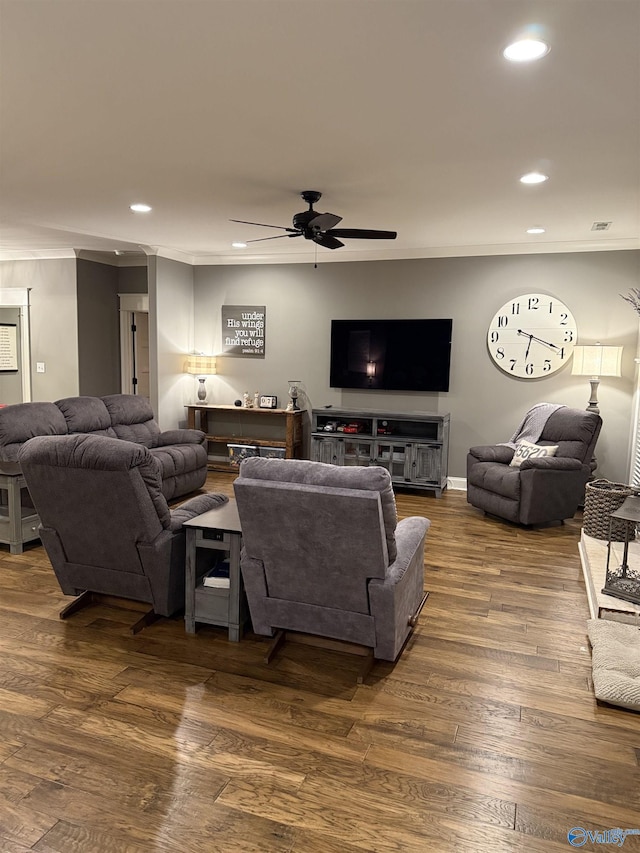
457	483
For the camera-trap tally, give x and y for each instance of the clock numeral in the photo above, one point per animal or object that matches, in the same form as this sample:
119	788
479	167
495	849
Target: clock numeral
502	321
547	366
568	336
564	317
529	369
515	307
561	353
533	303
500	352
513	363
495	337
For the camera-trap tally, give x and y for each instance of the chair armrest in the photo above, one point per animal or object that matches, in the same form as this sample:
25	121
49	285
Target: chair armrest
395	599
180	436
410	535
492	453
195	506
553	463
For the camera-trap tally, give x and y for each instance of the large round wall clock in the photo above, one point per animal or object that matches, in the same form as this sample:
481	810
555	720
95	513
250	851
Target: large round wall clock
532	336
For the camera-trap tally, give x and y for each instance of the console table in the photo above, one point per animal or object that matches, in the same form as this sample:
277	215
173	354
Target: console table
412	446
264	428
18	523
219	530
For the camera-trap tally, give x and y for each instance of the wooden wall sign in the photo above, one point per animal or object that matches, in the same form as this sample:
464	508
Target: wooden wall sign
244	330
8	347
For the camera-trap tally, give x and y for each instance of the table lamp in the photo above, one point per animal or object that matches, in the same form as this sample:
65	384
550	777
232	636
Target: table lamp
201	366
596	361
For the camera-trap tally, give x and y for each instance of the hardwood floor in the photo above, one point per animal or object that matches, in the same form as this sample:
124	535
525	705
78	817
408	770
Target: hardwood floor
485	736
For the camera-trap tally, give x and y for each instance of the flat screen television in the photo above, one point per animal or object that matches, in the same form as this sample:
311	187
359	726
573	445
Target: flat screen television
391	355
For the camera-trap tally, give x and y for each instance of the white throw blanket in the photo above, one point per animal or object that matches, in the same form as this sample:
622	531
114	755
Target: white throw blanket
533	423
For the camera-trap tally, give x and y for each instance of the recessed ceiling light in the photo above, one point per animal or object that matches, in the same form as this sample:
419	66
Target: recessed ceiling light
140	208
534	178
239	245
525	50
535	230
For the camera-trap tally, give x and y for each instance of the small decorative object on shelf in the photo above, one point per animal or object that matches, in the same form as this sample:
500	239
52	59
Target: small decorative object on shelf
268	401
623	581
294	393
256	400
246	401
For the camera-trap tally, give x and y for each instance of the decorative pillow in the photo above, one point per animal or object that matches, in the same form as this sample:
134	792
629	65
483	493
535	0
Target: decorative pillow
528	450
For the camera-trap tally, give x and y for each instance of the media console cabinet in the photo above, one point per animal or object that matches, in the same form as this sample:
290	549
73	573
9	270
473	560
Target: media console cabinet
412	446
262	428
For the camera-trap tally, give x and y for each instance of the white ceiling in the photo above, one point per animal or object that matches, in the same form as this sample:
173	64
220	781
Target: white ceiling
402	112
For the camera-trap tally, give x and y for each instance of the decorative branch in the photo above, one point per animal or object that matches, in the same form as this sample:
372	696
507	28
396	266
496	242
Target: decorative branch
633	298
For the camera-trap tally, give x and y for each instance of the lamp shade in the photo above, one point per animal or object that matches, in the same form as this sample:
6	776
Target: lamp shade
200	365
597	360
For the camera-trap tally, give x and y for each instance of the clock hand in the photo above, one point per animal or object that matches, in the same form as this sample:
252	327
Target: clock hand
540	340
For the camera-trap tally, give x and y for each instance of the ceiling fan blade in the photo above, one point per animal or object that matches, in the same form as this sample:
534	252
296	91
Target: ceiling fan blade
324	221
363	233
327	241
277	237
262	224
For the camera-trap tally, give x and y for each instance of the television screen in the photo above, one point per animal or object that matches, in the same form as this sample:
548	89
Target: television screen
391	355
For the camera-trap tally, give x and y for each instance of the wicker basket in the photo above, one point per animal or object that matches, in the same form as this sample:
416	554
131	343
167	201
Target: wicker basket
602	498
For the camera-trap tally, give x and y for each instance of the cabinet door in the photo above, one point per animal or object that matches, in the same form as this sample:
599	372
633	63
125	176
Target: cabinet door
426	463
357	451
395	457
329	450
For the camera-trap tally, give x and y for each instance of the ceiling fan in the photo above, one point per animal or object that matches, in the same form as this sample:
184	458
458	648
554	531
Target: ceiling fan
319	227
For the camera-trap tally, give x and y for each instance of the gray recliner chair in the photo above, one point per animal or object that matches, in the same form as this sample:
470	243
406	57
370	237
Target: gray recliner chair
105	523
324	554
543	488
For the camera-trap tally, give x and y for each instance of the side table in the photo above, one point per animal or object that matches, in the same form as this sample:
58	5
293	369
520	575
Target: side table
18	523
219	530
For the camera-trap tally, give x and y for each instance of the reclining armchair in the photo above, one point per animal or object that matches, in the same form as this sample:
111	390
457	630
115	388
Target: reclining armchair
324	554
540	480
105	523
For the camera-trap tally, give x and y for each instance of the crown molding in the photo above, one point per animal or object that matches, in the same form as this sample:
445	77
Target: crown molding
395	254
135	258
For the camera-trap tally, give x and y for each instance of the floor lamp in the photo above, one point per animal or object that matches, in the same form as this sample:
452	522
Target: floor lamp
201	366
596	361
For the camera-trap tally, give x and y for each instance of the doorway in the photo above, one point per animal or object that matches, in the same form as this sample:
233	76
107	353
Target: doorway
134	343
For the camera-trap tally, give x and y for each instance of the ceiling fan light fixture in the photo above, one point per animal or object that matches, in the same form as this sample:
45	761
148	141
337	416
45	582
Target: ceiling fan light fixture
526	50
139	207
534	178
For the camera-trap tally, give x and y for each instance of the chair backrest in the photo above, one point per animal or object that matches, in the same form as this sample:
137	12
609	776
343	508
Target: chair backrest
575	431
87	415
132	418
102	496
319	530
22	421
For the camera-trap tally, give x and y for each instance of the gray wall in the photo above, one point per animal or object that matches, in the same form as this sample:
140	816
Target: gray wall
98	329
133	279
485	404
171	313
53	322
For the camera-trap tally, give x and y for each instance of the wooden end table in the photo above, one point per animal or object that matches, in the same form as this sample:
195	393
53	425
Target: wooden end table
218	530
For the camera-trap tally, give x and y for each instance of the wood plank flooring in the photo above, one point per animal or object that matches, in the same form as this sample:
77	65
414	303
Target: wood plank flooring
485	736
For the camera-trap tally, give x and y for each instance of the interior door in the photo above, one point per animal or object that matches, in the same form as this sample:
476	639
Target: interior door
134	344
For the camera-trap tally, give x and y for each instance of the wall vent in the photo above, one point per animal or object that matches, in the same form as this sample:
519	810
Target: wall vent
601	226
